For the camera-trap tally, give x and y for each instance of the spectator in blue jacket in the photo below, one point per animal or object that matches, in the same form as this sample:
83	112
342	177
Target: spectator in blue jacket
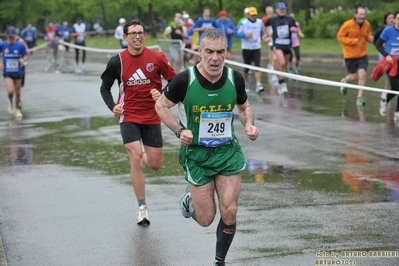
203	23
65	32
224	24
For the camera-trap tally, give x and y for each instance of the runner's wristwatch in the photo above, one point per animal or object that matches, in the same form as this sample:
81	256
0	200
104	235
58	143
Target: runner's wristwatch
177	133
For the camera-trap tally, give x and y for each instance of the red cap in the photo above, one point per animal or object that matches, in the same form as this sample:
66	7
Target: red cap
222	13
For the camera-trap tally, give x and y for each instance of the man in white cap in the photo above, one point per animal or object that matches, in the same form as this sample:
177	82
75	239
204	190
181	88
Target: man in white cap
246	14
188	23
186	16
250	32
119	33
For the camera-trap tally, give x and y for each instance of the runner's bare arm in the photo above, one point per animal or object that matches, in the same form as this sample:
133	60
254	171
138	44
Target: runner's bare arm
247	119
162	107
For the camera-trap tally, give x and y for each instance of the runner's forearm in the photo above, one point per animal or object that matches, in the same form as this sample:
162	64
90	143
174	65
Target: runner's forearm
246	116
107	97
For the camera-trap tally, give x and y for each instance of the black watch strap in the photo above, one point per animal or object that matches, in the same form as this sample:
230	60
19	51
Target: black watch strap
177	133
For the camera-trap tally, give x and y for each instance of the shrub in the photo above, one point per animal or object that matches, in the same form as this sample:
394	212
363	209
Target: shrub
326	25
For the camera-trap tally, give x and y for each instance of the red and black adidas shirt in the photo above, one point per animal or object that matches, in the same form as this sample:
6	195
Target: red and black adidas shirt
136	76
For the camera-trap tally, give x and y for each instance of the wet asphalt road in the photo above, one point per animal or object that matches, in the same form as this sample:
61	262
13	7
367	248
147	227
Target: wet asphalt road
322	179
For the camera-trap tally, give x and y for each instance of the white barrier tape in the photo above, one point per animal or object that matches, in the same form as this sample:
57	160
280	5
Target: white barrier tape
181	43
303	78
37	47
97	50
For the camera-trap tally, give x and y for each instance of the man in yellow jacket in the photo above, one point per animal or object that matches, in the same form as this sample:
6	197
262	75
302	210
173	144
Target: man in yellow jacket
353	35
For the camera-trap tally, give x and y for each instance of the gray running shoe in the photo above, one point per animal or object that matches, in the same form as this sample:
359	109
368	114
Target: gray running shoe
185	203
143	218
219	263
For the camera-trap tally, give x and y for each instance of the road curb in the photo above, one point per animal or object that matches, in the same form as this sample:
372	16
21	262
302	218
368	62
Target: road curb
3	261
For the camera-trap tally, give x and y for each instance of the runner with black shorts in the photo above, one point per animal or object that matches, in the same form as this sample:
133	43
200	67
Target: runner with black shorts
250	32
14	56
79	32
138	71
353	35
282	27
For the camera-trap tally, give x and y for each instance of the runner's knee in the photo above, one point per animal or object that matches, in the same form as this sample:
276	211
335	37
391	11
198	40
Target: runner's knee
154	164
229	213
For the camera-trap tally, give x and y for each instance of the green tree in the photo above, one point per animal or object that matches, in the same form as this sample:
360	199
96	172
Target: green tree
40	12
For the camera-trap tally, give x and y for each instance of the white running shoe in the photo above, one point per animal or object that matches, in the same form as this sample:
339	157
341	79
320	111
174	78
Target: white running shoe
18	114
143	218
383	108
342	88
11	109
259	88
282	88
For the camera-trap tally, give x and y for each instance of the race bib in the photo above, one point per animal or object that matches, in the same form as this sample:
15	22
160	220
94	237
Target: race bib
80	37
255	36
215	129
282	31
12	65
51	36
395	51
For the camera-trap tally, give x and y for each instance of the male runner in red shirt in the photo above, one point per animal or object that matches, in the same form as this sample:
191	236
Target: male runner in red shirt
138	70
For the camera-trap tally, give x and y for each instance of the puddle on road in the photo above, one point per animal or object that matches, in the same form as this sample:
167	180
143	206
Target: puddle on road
351	185
284	211
324	100
95	143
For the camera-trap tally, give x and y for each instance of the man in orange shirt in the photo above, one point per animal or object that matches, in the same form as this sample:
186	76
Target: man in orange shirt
353	35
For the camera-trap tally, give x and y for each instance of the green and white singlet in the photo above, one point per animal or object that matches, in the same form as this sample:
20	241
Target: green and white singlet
215	149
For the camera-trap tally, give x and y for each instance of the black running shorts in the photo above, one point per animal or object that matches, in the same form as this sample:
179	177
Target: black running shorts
250	56
354	64
14	77
150	135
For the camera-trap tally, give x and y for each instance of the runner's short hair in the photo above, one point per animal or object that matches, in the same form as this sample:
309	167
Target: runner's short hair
385	17
212	34
133	22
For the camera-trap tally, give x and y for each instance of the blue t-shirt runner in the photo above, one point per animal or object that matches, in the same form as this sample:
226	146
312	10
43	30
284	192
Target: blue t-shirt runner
11	58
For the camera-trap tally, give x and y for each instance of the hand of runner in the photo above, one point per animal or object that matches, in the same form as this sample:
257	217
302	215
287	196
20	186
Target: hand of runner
389	59
371	38
117	110
266	38
186	137
252	132
155	94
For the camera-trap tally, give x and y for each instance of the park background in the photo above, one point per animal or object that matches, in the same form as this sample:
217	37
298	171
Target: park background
319	19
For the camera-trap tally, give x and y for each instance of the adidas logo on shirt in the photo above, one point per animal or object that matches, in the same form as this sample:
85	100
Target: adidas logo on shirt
138	78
